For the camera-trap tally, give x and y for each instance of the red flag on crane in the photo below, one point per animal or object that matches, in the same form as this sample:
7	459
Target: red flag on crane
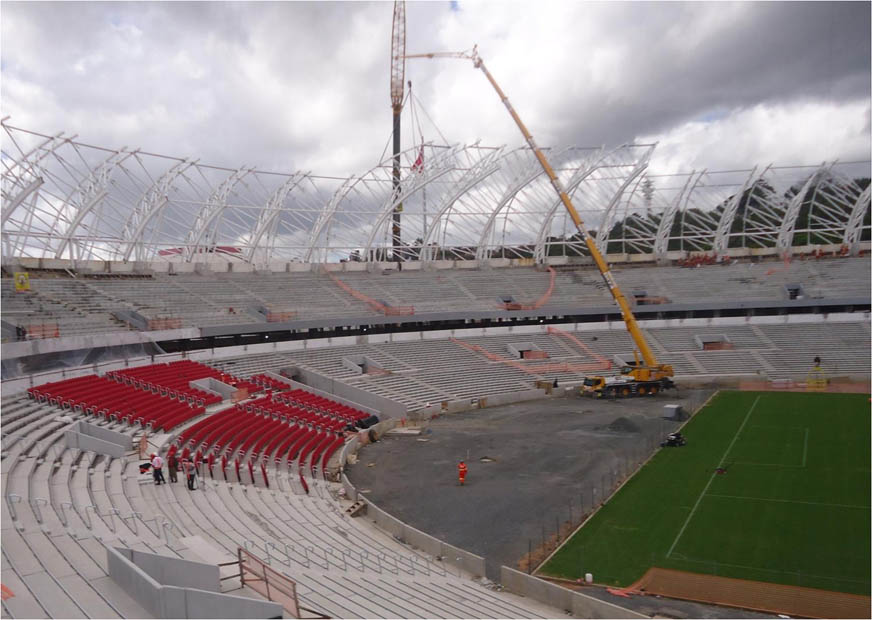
418	166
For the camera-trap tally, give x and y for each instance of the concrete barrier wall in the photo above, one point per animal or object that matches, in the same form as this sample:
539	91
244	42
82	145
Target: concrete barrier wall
72	439
178	572
278	377
135	582
92	430
85	436
344	401
508	398
202	604
173	601
578	604
451	555
350	491
331	388
213	386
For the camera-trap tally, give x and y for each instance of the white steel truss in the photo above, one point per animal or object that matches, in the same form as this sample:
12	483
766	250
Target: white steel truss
63	198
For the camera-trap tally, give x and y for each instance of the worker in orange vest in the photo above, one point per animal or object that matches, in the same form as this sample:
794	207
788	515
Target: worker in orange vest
461	472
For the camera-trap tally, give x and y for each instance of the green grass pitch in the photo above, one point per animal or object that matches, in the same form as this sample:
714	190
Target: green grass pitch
793	506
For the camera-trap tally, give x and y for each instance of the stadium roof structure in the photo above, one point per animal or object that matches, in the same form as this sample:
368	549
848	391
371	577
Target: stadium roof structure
63	198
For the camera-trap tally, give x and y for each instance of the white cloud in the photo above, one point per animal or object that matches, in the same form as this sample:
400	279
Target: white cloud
795	133
305	85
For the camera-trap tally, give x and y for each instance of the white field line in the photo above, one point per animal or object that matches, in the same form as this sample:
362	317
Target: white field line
714	473
790	501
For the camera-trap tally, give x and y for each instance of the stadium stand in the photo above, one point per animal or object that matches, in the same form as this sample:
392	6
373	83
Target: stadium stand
430	371
63	507
212	299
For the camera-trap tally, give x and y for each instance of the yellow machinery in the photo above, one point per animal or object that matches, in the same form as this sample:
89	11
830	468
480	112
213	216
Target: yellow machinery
636	379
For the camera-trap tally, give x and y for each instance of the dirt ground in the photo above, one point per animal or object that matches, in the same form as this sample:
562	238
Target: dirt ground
533	467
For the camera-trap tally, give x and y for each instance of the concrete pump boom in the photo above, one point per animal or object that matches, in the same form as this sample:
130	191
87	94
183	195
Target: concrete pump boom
652	369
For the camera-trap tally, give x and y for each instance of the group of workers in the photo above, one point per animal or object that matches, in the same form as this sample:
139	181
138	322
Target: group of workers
188	467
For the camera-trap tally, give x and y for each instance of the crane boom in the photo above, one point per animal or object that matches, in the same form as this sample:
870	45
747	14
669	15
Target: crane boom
652	369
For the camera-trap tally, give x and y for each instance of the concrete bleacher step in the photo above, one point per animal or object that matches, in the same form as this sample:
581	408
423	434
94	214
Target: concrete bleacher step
23	604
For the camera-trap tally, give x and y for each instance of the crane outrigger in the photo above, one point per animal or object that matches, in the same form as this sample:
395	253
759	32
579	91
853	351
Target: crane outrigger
637	378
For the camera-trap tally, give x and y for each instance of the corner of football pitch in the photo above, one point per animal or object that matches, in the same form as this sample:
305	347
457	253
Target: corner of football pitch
771	487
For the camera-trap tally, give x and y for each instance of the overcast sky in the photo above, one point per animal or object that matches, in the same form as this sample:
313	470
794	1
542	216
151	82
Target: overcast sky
305	85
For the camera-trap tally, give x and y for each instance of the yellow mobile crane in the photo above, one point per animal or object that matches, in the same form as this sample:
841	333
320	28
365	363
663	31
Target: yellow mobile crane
636	378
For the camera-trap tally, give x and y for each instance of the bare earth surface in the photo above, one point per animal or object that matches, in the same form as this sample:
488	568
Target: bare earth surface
530	466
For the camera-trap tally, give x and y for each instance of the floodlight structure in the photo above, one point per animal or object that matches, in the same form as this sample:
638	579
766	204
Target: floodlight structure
67	199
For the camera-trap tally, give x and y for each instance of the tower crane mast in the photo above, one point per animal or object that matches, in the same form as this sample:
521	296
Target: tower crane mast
647	376
398	76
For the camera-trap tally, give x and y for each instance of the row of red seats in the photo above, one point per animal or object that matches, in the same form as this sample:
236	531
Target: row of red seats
100	396
307	400
178	376
161	378
191	395
266	406
236	431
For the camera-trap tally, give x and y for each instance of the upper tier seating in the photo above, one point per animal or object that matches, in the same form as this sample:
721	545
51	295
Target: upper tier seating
422	373
193	300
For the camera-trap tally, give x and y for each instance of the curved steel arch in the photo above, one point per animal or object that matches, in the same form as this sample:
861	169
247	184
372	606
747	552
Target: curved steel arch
482	169
151	204
214	207
534	171
92	190
432	172
854	227
26	175
661	239
577	179
326	217
722	233
784	241
268	217
602	237
19	180
63	197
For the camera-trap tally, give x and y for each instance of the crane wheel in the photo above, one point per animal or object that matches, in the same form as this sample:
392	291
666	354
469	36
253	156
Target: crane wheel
625	392
642	390
653	390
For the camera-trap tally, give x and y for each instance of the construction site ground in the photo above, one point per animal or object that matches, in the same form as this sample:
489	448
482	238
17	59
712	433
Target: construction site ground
530	465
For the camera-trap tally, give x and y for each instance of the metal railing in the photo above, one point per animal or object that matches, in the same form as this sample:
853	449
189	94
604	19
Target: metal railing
255	573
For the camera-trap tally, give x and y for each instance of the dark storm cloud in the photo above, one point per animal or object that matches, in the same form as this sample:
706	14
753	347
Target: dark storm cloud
770	52
305	84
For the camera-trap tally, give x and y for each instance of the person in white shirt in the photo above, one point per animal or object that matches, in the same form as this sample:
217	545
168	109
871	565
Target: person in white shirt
157	467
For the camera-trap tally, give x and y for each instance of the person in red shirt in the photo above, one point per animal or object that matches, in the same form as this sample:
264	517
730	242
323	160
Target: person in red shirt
461	472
